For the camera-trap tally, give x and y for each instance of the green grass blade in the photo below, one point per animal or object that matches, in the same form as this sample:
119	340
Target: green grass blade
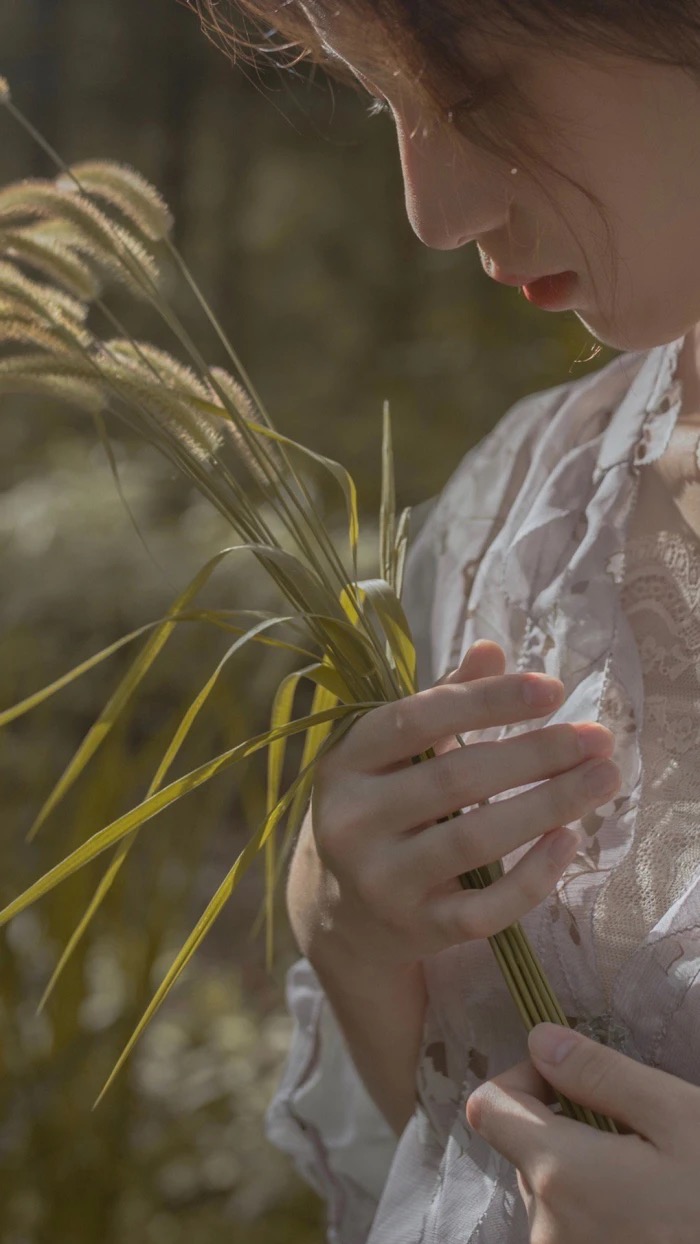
125	846
38	697
200	700
100	425
126	824
313	739
123	694
387	510
400	549
81	928
281	714
216	617
204	924
111	873
378	596
339	472
330	687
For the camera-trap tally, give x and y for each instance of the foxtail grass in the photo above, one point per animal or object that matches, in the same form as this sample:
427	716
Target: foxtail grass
62	242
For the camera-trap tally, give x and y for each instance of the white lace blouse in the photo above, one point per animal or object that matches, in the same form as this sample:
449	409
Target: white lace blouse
563	536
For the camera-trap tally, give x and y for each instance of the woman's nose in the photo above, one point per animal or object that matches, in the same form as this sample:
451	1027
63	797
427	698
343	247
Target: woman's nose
449	201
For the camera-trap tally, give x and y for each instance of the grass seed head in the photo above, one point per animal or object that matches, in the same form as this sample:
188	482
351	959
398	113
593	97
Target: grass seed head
45	301
170	410
110	246
50	256
124	188
242	404
80	394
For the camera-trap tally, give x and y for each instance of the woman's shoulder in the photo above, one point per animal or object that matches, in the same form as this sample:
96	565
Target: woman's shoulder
544	424
556	419
451	531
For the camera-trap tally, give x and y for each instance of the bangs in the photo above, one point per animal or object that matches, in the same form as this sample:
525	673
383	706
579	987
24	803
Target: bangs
426	43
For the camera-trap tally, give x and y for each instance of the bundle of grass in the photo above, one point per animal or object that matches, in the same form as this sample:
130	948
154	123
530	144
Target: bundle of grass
98	222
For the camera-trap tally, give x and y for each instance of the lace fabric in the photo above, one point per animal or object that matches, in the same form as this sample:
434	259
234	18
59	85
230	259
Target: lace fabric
660	596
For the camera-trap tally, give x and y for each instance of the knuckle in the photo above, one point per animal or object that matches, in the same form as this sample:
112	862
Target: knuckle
547	1182
447	779
533	886
562	800
376	887
370	885
336	828
477	1107
469	925
593	1075
464	843
564	745
486	697
406	714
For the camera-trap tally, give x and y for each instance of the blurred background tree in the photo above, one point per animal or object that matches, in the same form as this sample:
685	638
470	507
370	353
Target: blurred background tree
289	210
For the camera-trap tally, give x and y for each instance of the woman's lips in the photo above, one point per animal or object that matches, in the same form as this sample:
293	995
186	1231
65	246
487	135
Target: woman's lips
552	293
549	292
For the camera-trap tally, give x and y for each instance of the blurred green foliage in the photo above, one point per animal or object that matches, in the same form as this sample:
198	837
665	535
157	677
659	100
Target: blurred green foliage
289	210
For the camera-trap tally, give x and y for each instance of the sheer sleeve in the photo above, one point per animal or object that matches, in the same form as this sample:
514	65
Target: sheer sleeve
324	1118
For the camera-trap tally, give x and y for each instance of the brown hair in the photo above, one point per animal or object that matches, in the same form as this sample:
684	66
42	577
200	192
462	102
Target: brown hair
425	38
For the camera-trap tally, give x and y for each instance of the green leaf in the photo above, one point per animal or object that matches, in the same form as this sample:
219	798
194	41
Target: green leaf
330	689
150	807
207	919
126	844
400	550
214	616
378	596
123	694
387	510
339	472
313	739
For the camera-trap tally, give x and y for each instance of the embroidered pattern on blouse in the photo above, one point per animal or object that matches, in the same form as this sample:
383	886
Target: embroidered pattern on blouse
660	597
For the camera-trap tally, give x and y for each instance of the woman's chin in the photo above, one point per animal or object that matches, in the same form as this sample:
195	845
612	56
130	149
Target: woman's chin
627	334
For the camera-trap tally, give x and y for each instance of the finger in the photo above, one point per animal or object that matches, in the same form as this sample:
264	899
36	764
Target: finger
405	728
520	1126
524	1077
485	659
649	1101
492	831
469	914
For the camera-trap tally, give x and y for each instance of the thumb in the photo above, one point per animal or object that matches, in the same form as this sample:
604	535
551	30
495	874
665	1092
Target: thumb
599	1077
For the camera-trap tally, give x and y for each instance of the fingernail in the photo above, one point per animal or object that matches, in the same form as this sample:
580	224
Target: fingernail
551	1043
591	742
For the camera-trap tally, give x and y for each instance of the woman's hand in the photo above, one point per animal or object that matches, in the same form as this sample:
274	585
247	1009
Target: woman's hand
387	890
580	1185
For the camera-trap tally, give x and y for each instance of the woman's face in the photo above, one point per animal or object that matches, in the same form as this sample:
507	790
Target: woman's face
625	129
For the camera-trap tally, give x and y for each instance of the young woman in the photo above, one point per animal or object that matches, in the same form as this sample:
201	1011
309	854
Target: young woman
561	137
